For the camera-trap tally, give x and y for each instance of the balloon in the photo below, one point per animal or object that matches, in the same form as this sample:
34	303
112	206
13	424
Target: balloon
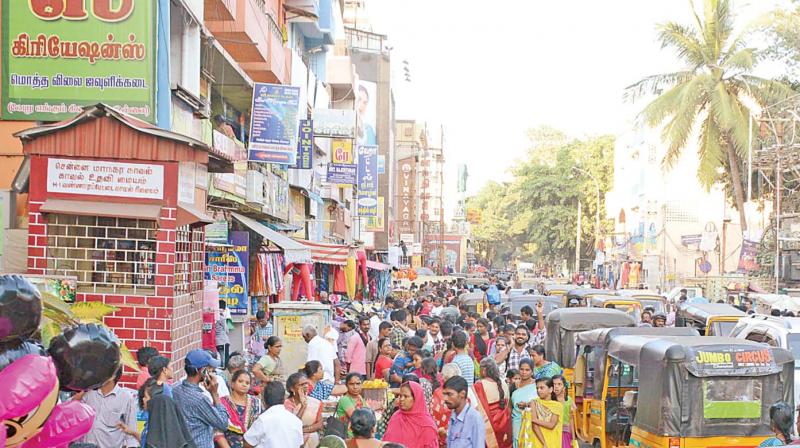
362	264
20	308
305	276
68	422
26	383
350	277
14	351
85	356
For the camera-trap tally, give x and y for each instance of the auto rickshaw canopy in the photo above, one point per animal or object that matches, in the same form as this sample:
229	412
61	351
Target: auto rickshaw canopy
564	323
694	386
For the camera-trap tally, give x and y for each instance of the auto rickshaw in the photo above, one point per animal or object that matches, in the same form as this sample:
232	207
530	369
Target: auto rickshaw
711	319
475	301
564	324
627	305
549	303
687	392
556	289
648	299
592	348
583	295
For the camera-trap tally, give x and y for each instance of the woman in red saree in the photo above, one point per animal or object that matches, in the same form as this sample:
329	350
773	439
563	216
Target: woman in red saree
491	399
412	425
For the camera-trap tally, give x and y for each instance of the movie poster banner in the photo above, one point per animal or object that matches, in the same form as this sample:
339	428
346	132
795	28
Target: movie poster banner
59	56
305	146
273	124
747	257
367	180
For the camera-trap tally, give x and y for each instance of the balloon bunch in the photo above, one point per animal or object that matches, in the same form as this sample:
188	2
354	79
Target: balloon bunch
80	358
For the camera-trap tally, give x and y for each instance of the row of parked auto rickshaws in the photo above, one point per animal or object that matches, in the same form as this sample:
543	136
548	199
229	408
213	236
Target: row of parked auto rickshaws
665	387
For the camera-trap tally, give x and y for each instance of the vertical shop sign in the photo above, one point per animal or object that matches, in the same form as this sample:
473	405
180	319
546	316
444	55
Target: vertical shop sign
376	223
59	56
305	146
273	124
229	267
368	180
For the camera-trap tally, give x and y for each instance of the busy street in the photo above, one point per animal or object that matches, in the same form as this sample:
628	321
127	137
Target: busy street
399	224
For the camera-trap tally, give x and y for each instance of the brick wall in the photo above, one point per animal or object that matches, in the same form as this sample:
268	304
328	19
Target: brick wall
171	324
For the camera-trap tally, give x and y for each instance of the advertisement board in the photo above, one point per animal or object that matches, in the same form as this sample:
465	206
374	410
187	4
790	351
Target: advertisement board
406	194
273	124
367	181
342	174
334	123
104	178
59	56
342	151
376	223
305	145
367	111
229	267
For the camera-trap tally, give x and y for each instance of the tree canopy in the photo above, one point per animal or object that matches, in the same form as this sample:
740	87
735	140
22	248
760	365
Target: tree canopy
534	216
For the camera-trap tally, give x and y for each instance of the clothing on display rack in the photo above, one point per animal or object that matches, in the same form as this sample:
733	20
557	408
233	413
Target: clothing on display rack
267	274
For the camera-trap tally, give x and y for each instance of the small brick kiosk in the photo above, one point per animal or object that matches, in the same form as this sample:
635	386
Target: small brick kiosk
120	204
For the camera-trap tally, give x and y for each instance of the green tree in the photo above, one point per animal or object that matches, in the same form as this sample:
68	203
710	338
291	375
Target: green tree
533	217
708	92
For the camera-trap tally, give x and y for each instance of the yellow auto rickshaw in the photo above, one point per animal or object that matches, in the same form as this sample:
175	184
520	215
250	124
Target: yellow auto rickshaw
474	301
648	299
564	324
627	305
711	319
688	392
592	348
556	289
584	295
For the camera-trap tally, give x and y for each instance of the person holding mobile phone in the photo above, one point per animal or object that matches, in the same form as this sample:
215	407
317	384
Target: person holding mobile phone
115	414
202	417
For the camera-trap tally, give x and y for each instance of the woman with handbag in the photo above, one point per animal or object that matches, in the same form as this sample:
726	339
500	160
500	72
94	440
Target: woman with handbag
242	408
307	409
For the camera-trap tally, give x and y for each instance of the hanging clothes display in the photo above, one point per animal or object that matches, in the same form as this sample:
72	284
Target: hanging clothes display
635	275
266	278
626	270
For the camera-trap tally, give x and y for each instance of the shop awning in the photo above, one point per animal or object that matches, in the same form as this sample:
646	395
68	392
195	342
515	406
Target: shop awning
189	215
328	253
293	251
378	266
92	208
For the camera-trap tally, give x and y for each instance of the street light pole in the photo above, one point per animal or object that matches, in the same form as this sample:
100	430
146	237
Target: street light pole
597	210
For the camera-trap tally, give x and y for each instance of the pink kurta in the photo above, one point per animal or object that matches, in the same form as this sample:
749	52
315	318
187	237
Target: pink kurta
356	355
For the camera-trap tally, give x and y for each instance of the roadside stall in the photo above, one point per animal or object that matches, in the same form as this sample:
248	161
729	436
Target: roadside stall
290	318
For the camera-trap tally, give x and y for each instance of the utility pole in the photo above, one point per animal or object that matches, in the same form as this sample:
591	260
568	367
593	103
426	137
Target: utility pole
778	186
578	241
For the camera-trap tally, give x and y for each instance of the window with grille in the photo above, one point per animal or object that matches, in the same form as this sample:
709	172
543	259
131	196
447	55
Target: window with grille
107	255
681	211
189	259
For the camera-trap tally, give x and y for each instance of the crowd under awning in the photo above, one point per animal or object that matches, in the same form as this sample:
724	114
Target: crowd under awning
293	251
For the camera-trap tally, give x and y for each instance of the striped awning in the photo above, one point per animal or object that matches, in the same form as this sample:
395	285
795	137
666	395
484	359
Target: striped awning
327	253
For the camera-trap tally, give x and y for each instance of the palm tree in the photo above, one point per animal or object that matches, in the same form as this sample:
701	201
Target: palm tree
708	92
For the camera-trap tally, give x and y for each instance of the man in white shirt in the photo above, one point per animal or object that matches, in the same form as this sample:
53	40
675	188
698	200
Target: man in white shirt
276	427
321	350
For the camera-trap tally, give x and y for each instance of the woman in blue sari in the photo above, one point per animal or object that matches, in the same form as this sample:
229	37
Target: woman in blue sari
524	393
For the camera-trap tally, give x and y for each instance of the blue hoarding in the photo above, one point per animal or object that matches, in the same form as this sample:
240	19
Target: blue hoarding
367	180
229	266
273	124
305	145
342	173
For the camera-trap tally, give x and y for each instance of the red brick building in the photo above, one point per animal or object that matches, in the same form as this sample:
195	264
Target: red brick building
120	205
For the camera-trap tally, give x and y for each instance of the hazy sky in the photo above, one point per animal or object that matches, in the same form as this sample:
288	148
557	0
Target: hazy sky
489	70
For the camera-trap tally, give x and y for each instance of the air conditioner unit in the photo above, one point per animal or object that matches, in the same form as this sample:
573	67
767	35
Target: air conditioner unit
255	188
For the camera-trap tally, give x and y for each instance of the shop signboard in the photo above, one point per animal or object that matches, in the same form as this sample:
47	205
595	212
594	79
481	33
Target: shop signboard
406	195
336	123
381	164
342	174
186	182
748	257
105	178
305	146
229	267
217	232
59	56
367	180
273	124
342	151
376	223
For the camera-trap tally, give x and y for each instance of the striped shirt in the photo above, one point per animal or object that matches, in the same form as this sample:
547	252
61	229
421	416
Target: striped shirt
201	417
467	366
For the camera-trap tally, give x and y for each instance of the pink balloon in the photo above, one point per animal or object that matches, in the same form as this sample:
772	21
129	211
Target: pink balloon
27	382
68	422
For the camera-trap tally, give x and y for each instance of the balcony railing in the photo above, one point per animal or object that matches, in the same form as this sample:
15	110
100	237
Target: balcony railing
364	40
